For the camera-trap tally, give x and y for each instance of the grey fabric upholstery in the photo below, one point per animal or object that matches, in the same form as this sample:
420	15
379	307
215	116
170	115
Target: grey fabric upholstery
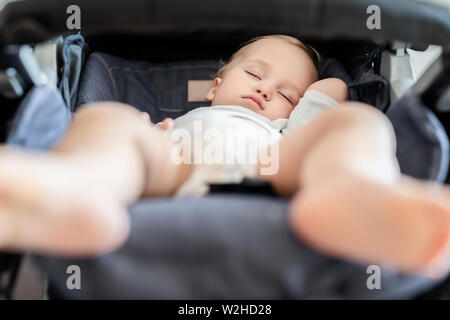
422	144
220	247
41	120
157	88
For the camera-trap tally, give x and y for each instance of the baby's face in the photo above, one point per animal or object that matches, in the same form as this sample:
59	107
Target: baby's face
269	78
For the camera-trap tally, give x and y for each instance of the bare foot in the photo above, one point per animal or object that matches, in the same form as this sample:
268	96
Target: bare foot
405	226
46	207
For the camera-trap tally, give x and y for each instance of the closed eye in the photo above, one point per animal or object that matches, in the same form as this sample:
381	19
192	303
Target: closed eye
254	75
289	100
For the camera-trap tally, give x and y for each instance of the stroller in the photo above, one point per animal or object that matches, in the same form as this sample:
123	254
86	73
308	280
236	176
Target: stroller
235	242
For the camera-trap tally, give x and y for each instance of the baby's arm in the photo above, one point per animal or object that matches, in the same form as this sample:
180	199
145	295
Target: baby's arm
332	87
320	96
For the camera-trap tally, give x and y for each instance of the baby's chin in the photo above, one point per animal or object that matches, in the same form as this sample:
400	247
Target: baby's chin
266	114
258	111
243	105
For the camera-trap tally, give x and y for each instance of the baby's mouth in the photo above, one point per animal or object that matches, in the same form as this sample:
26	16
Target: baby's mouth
257	102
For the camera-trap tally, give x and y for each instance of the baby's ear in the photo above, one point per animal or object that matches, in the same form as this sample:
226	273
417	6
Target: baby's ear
212	91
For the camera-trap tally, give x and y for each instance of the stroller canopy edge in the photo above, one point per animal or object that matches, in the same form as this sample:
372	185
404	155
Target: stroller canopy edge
406	20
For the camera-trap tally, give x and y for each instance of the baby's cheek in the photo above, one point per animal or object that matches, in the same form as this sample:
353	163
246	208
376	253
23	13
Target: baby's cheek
285	112
277	113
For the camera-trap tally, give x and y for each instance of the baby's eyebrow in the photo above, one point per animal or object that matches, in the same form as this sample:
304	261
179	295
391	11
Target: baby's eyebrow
262	62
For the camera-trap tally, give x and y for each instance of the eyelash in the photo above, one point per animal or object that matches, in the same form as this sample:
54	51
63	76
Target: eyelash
254	75
289	100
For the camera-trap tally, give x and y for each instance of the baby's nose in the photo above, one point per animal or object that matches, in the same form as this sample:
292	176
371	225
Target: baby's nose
265	93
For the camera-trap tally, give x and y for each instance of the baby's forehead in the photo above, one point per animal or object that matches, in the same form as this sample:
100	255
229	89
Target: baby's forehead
291	60
258	60
272	53
273	64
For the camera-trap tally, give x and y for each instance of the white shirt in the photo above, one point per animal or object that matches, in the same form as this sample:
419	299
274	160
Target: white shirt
310	105
237	124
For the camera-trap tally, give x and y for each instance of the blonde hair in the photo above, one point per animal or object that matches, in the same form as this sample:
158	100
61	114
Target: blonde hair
312	53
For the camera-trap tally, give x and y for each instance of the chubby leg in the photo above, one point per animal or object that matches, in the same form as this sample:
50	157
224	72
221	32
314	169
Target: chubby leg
72	200
350	199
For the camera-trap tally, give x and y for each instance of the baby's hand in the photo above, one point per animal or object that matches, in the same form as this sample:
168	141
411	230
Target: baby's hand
333	87
166	124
